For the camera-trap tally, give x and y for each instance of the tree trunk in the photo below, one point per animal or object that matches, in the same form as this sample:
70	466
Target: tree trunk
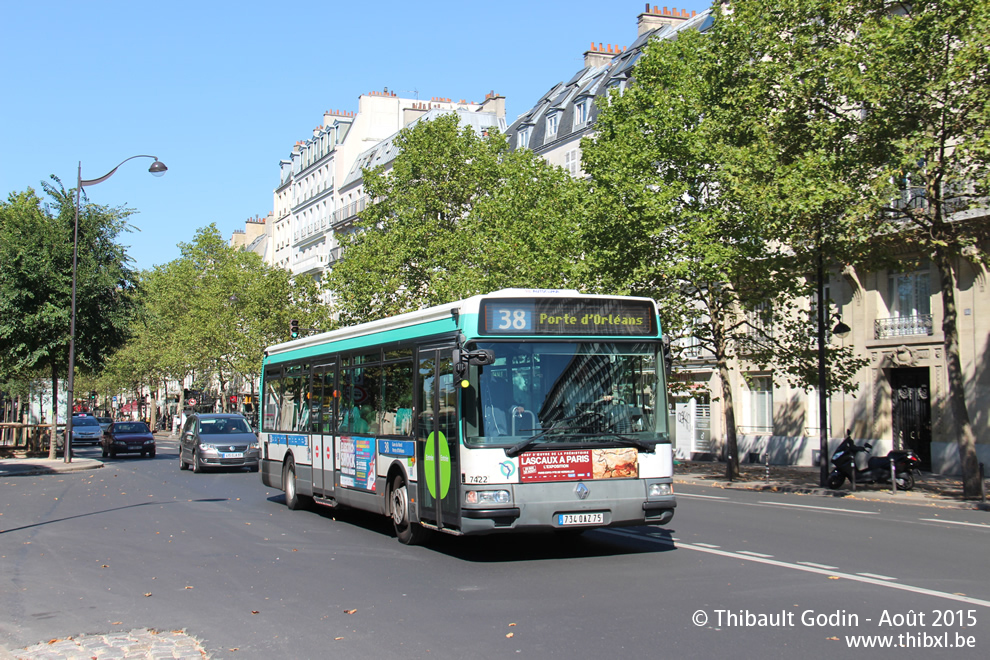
728	411
963	427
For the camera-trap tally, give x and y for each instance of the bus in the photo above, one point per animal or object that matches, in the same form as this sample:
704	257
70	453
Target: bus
521	410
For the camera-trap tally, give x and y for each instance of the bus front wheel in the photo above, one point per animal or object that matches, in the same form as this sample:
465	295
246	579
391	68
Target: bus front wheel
292	500
408	533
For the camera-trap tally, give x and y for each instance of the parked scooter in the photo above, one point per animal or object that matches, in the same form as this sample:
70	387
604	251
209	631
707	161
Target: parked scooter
877	470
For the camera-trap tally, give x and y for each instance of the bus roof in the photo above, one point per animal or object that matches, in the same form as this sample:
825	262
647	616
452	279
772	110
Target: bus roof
440	319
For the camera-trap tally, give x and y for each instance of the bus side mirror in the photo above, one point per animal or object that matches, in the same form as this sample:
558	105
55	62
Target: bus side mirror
481	357
462	359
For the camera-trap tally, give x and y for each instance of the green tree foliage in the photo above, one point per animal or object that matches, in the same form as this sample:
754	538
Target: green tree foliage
456	215
33	292
665	221
36	241
797	167
876	118
212	312
926	86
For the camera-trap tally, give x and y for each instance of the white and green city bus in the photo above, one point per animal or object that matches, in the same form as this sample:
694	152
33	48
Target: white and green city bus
520	410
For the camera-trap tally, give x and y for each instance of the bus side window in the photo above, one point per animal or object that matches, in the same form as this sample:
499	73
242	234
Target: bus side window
397	395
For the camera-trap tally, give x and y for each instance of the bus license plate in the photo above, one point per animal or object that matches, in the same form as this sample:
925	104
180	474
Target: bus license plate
232	455
564	519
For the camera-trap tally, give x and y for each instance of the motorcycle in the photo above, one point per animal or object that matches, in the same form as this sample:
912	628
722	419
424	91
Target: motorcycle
877	470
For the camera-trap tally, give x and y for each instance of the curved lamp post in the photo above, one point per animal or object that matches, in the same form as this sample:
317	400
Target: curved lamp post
158	169
840	330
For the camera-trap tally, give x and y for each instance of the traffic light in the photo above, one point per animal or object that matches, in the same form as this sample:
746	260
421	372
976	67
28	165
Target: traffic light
294	328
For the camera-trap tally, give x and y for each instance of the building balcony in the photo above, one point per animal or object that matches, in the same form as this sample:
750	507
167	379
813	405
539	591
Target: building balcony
346	215
308	264
904	326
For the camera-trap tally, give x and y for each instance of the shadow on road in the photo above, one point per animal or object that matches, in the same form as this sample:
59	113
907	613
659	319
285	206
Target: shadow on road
111	510
513	547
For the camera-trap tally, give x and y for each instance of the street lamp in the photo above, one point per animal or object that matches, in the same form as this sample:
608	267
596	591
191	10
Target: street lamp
157	169
840	330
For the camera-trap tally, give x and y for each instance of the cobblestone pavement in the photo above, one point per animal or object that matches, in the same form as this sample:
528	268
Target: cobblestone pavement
134	645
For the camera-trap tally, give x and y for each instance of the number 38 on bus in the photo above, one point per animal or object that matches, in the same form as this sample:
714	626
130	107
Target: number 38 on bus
516	411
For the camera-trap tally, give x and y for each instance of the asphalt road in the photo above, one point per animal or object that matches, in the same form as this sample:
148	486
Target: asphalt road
139	544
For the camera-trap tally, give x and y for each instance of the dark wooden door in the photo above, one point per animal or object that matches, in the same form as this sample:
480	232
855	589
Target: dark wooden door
912	412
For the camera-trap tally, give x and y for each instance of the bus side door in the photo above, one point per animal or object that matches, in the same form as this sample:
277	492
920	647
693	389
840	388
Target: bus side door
324	426
438	440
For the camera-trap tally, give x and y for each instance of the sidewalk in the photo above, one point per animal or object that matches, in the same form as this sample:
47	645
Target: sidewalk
929	489
27	466
132	645
17	466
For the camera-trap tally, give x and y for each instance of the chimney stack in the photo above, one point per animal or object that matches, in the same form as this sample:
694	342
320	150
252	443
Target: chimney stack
601	55
654	18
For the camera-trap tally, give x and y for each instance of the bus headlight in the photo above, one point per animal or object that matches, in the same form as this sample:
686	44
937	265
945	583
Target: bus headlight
487	497
660	490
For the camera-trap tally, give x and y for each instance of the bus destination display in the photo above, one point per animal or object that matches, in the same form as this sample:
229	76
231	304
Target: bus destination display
568	316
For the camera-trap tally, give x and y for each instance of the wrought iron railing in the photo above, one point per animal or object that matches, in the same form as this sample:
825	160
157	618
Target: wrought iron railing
903	326
756	430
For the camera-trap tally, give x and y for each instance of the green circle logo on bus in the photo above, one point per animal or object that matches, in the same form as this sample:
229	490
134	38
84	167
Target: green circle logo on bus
433	442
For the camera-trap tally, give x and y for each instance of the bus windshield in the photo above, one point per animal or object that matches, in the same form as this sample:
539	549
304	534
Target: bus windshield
570	394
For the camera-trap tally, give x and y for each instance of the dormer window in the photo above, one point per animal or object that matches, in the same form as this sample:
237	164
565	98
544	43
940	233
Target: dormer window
553	121
522	137
581	108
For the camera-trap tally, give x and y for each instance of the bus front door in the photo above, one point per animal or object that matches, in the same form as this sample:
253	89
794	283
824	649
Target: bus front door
437	440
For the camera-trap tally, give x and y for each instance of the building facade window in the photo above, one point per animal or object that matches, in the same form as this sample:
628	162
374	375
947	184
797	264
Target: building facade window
909	306
760	405
581	113
910	294
522	137
572	162
553	121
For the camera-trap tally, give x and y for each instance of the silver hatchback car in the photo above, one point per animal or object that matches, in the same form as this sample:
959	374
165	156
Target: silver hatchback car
218	440
86	429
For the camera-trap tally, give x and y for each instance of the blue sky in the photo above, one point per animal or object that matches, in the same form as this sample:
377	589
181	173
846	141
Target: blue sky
220	91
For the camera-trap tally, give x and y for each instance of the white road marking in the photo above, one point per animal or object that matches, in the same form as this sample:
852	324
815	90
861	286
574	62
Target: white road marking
707	548
836	510
814	565
878	577
956	522
823	508
708	545
754	554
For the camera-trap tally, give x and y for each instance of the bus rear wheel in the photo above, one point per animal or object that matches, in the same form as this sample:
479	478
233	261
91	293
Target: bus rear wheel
408	532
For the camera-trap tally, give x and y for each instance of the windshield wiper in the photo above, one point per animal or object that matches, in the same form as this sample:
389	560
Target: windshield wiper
522	446
626	440
634	442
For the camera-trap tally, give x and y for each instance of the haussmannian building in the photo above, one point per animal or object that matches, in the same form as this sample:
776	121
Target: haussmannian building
312	204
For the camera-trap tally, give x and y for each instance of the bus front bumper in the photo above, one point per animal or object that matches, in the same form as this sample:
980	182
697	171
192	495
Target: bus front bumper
617	504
